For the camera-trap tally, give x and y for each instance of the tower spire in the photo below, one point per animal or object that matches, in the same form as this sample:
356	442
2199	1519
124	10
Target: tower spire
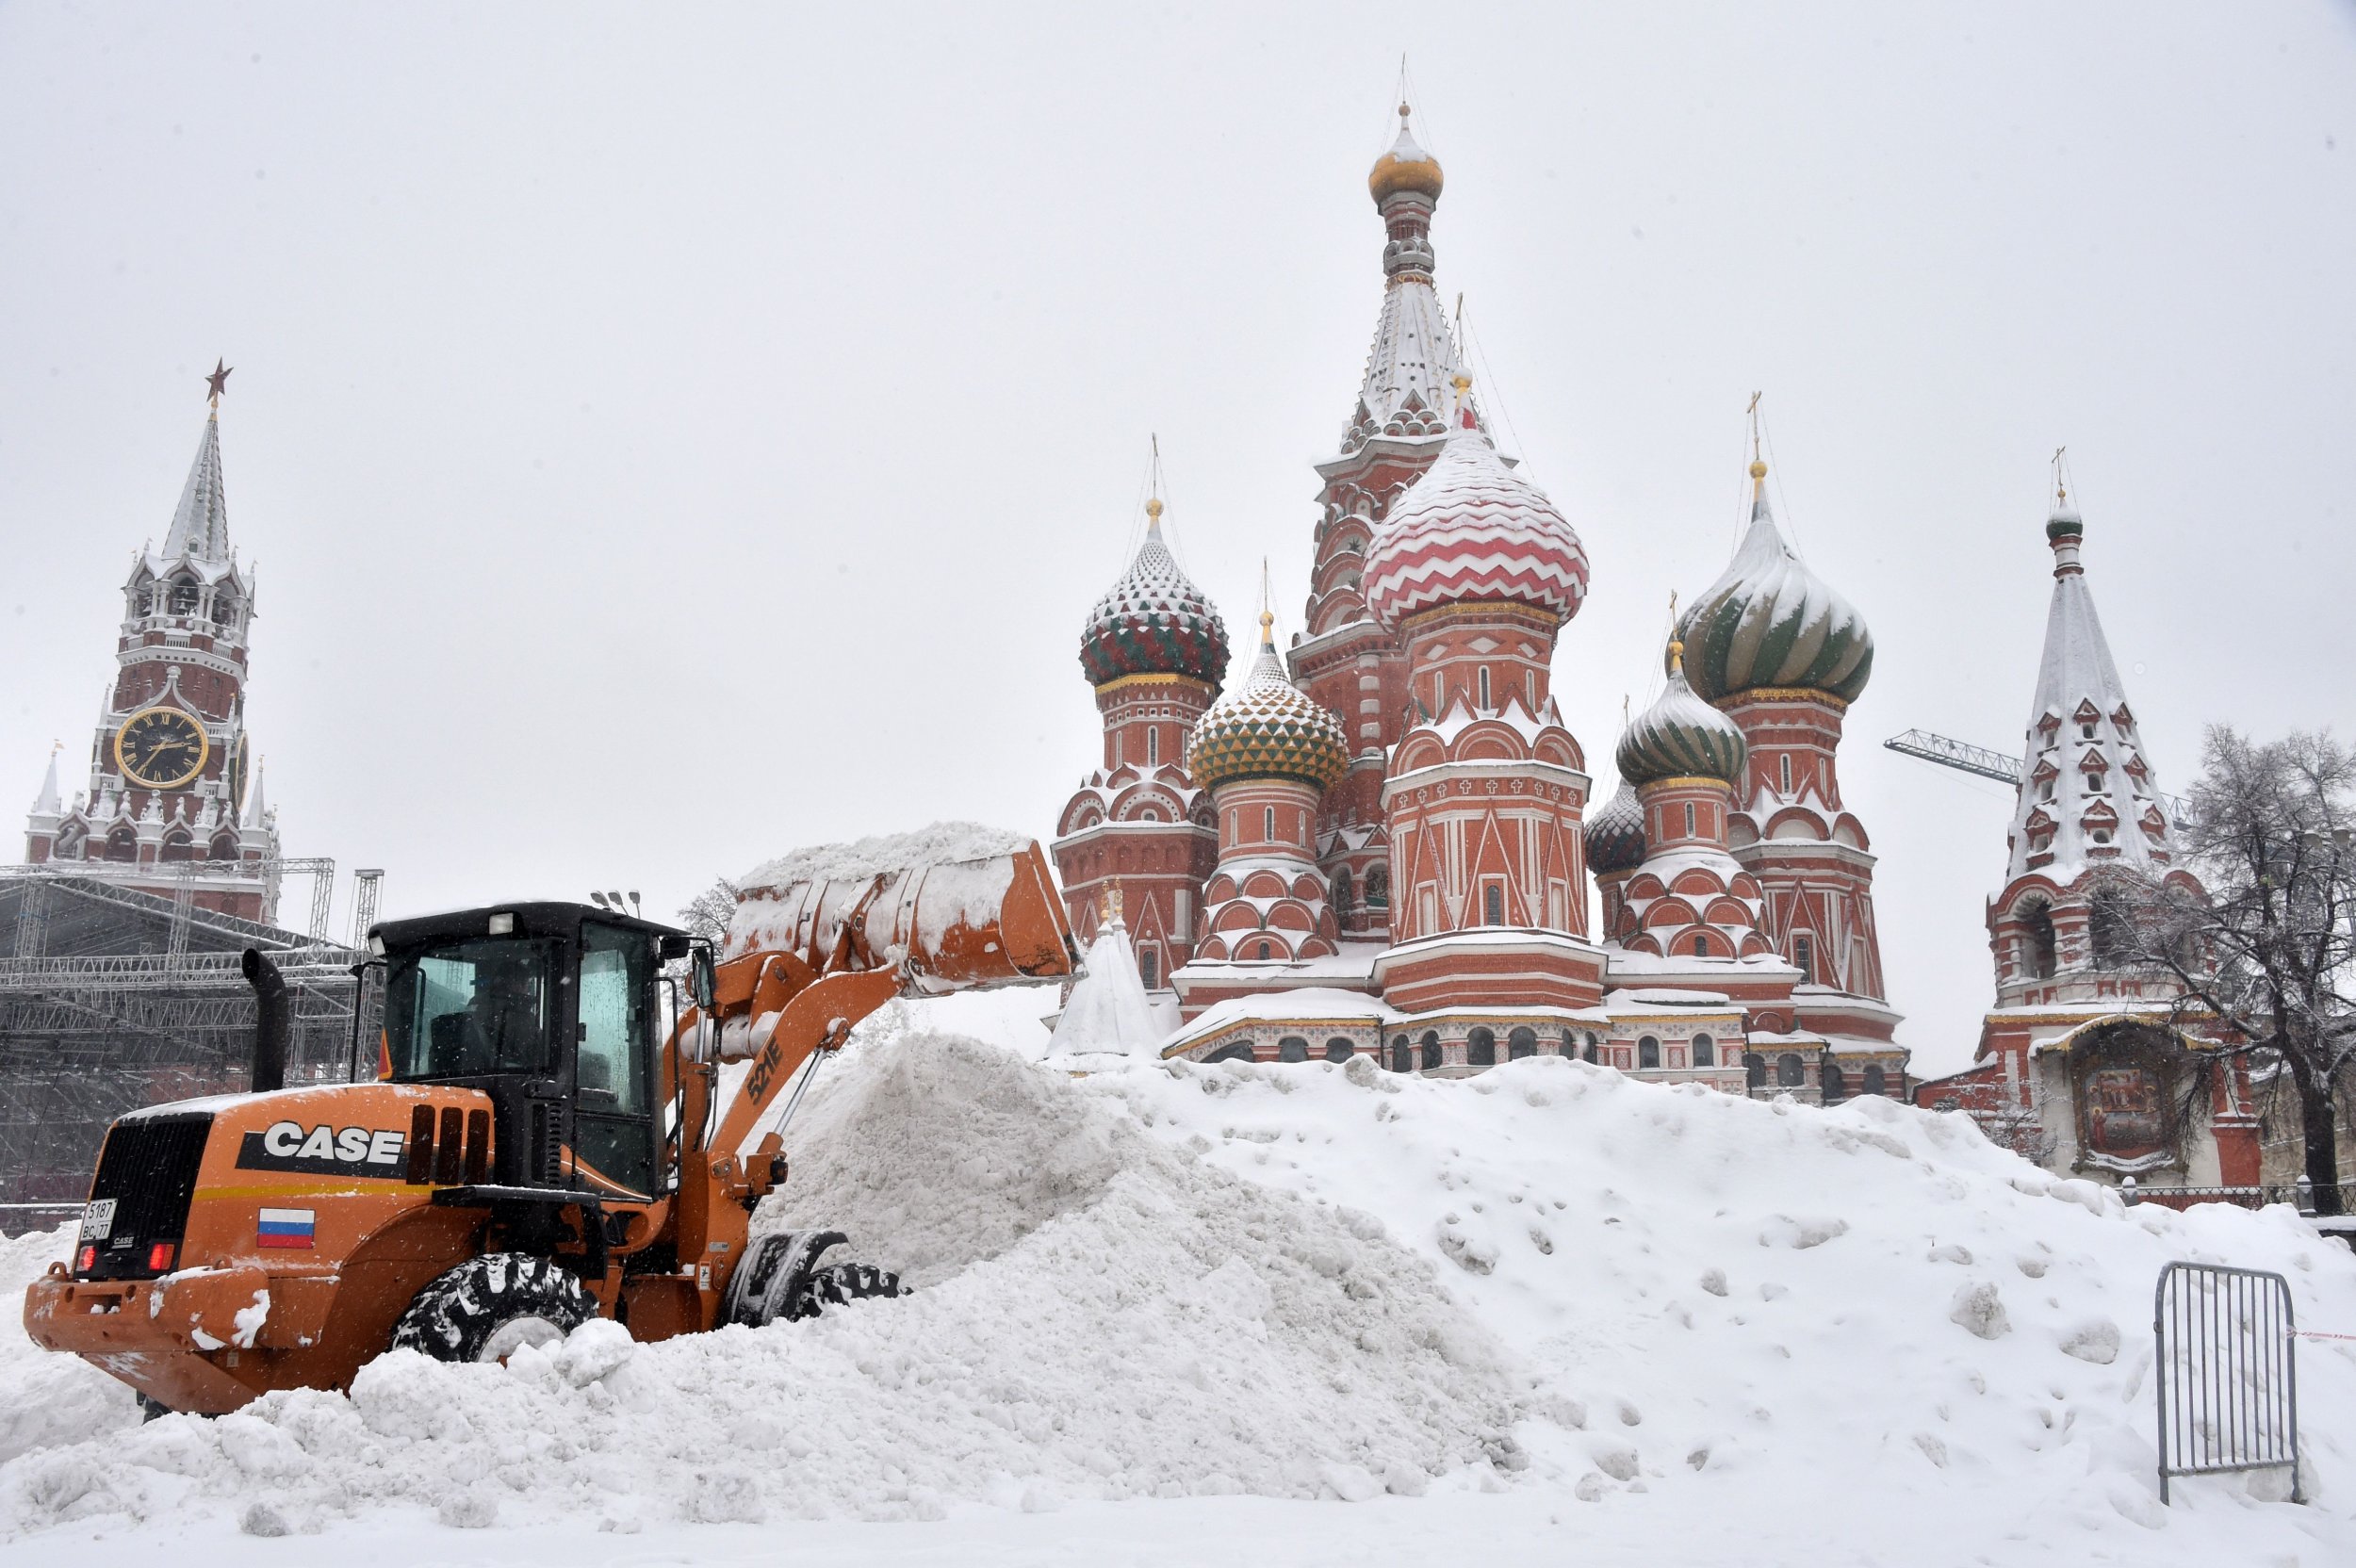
1405	393
48	804
2087	792
200	524
1759	464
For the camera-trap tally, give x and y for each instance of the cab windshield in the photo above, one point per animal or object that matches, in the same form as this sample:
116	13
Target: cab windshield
469	1009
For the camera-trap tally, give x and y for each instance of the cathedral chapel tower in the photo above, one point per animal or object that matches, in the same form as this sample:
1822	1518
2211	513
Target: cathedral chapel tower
1267	752
168	805
1347	660
1475	572
1139	827
1782	654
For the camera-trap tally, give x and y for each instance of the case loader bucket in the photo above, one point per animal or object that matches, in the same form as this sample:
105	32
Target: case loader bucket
959	921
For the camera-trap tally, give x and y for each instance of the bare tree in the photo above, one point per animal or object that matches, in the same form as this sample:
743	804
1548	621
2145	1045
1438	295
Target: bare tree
2266	948
708	913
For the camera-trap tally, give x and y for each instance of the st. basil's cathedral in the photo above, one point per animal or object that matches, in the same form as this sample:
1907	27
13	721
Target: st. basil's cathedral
1381	840
1380	843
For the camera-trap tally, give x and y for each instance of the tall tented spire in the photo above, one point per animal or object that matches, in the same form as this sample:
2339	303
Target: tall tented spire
199	529
48	804
1108	1009
2088	792
257	805
1414	360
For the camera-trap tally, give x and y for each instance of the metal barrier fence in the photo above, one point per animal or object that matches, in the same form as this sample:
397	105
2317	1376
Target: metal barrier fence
2302	1195
2227	1372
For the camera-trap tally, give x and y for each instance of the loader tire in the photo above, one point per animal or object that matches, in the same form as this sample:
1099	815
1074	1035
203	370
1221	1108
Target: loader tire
489	1307
841	1284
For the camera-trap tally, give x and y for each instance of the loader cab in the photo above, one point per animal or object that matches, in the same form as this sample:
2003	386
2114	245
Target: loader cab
554	1011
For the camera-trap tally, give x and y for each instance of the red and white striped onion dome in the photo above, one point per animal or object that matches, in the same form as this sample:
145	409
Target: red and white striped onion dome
1268	728
1472	530
1154	621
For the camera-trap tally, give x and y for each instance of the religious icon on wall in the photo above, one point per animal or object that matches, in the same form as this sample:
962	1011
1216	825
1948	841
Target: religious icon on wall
2126	1110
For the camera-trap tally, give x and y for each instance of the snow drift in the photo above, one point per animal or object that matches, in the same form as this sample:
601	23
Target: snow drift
1661	1312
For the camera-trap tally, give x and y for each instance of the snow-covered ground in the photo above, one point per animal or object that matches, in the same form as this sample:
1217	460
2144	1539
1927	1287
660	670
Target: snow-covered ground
1303	1315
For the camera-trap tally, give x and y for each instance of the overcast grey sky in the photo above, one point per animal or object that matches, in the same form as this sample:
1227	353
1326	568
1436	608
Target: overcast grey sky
671	434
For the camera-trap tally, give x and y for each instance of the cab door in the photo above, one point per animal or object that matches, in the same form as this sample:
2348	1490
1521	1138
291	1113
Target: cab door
613	1124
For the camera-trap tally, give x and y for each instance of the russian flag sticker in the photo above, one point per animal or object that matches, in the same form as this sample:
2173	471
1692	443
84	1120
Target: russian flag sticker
286	1227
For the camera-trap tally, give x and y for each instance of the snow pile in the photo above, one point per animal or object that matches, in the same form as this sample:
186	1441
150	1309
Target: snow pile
1109	1010
1556	1308
1099	1314
1751	1302
47	1399
885	853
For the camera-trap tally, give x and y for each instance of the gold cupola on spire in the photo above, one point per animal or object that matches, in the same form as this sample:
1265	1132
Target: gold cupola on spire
1405	168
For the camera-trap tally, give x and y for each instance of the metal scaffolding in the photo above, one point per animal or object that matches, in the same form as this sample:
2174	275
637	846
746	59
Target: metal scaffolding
112	997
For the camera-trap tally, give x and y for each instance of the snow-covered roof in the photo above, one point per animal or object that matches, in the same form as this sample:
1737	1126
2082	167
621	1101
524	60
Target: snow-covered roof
1301	1004
1650	997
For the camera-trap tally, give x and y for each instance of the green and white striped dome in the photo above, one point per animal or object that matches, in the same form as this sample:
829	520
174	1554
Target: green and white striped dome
1680	736
1771	622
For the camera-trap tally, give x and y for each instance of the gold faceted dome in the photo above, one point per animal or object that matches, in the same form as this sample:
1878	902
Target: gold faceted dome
1406	168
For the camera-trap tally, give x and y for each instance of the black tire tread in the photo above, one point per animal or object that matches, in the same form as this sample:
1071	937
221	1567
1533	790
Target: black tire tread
454	1316
838	1284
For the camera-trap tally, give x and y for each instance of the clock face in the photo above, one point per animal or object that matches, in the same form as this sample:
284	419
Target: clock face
161	748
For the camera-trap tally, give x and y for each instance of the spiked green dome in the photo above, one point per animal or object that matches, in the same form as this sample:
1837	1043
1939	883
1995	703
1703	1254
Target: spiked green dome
1267	728
1680	736
1771	622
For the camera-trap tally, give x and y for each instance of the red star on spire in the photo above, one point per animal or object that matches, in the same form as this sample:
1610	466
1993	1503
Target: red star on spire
218	382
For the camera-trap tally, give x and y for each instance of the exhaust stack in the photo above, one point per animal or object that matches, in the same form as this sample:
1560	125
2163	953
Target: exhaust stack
271	1024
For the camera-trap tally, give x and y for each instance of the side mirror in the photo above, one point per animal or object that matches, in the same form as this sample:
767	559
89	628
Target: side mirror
702	984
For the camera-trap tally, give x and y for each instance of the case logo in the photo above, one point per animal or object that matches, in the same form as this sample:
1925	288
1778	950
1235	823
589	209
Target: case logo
322	1151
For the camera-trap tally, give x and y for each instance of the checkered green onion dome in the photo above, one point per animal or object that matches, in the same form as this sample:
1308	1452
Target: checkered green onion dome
1615	834
1154	621
1680	736
1771	622
1267	728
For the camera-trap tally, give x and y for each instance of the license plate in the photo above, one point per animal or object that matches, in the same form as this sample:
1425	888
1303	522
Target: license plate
98	1220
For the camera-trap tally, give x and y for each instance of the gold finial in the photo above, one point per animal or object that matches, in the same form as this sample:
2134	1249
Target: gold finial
1268	623
2061	491
1112	902
1758	466
1677	645
1463	383
1403	110
1153	509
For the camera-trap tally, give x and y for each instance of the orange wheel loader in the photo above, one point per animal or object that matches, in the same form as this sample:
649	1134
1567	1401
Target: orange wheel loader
537	1149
